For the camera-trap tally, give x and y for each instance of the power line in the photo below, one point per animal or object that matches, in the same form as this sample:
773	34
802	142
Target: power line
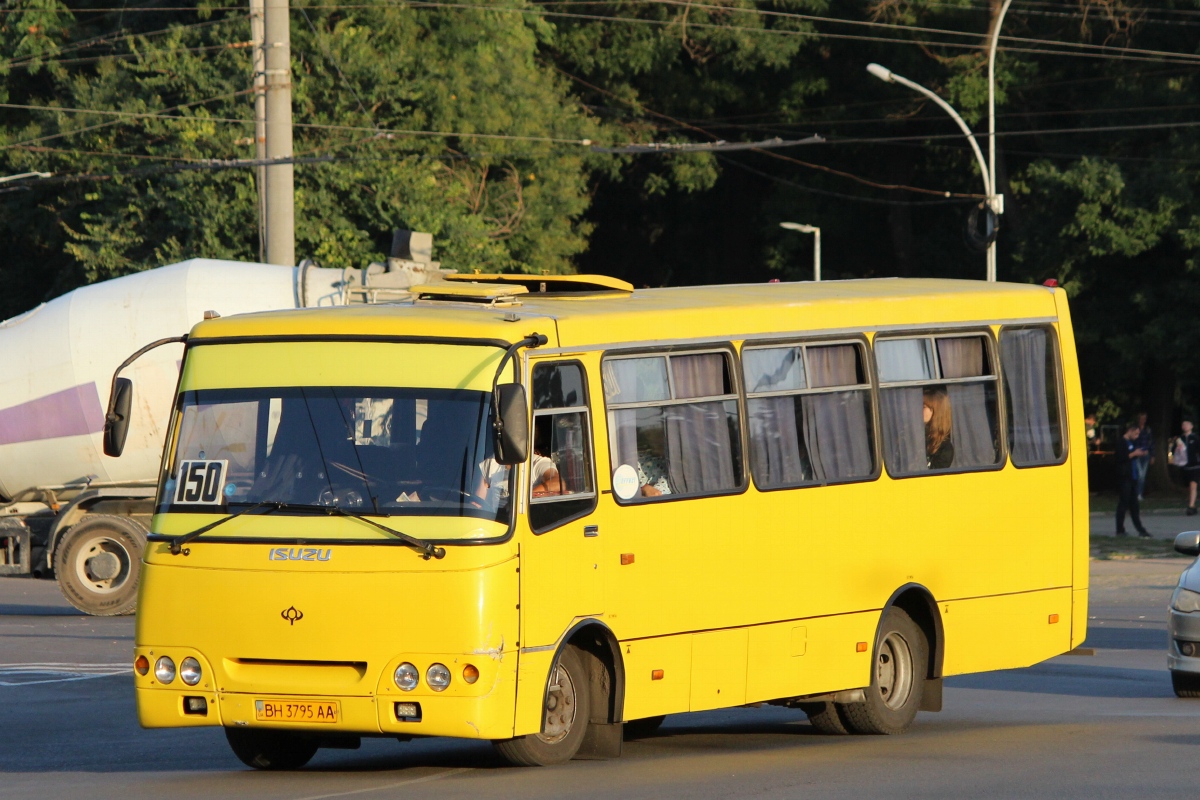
701	147
161	114
826	193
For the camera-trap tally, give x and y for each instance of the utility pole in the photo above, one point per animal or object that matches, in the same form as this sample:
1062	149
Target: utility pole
996	200
260	119
280	201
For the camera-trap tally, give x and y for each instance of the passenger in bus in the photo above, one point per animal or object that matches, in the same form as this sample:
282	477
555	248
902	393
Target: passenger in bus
652	475
939	449
544	478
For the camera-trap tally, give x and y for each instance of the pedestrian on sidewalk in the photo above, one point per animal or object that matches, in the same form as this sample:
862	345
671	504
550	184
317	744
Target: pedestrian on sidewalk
1141	465
1185	454
1127	499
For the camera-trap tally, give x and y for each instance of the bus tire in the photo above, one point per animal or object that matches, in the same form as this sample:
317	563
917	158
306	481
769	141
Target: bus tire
1185	684
270	750
98	563
897	678
824	718
641	728
564	721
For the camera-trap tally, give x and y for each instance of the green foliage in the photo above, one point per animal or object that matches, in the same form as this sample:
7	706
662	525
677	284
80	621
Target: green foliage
493	204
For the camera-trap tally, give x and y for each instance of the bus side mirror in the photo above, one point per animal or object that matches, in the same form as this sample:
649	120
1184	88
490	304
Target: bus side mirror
1188	543
116	422
512	424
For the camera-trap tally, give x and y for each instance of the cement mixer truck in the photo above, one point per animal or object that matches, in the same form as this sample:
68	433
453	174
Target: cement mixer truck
69	512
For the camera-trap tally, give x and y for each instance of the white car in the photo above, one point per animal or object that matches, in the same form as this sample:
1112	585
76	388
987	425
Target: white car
1183	625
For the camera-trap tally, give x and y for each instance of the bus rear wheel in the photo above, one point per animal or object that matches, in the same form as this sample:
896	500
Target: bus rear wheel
824	718
270	750
564	718
897	678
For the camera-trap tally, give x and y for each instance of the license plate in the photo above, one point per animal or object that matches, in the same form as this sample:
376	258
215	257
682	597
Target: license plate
296	711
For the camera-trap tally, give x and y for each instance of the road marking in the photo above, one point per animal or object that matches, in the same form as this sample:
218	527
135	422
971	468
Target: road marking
409	782
57	672
1148	714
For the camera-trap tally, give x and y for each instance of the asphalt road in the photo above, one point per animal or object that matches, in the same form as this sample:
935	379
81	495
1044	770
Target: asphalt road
1096	726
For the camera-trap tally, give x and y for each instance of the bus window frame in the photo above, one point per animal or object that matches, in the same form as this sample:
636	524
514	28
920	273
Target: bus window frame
1060	390
993	345
733	365
590	441
867	360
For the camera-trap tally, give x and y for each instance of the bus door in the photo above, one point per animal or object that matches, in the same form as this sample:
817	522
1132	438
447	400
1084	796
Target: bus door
561	568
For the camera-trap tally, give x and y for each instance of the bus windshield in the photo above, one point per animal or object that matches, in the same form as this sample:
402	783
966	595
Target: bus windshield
362	450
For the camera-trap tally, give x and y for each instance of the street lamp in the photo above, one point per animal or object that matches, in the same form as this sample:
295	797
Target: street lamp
25	175
994	202
816	232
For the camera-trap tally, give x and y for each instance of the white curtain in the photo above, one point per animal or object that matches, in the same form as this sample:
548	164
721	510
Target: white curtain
1023	356
971	427
903	430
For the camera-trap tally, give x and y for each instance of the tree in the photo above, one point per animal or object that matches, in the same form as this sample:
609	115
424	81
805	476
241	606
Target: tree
492	203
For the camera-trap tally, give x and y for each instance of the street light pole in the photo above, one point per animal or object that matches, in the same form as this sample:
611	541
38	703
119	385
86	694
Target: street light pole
816	232
987	172
996	201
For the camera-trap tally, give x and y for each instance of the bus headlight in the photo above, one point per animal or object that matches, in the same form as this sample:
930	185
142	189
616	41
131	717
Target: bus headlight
1185	600
164	669
407	677
438	677
189	671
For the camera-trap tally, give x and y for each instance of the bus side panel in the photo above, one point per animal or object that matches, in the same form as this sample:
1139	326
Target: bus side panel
718	669
810	656
1005	632
648	696
532	671
1077	455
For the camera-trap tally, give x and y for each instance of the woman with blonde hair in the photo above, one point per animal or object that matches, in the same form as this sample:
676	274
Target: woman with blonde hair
939	449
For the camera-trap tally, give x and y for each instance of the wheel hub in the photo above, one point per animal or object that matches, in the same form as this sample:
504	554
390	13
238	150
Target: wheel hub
560	707
104	567
894	671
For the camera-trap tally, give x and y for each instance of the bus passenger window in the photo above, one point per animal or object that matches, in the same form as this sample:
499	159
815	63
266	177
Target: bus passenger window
560	468
937	400
673	420
810	415
1031	392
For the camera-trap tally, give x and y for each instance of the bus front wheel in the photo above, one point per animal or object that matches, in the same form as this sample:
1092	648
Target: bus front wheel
270	750
897	678
564	718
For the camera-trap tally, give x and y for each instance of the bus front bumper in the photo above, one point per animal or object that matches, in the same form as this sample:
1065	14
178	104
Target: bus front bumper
486	717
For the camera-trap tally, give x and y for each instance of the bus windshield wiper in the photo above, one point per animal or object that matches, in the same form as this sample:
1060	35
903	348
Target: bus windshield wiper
177	544
426	549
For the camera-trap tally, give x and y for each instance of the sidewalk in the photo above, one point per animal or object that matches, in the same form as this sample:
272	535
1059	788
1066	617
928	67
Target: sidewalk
1162	523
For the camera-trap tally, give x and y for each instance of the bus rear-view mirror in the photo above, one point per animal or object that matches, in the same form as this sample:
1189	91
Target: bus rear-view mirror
1188	543
116	421
512	432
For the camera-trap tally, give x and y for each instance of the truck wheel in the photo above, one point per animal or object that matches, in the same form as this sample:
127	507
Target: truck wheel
897	678
565	719
270	750
98	562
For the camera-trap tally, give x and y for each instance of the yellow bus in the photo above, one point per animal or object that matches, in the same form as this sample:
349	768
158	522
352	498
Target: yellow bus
532	510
